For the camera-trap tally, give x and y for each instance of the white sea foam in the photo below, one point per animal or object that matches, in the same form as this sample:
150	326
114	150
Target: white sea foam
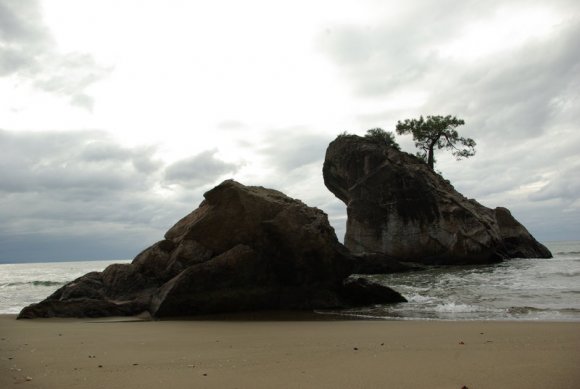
456	308
518	289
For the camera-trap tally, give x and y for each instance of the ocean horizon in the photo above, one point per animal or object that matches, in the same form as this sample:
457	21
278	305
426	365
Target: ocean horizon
516	289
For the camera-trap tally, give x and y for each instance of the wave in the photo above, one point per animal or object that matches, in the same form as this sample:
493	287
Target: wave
571	310
571	273
568	253
33	283
532	310
524	310
456	308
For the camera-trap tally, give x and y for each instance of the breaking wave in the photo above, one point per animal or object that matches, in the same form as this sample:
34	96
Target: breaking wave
33	283
568	253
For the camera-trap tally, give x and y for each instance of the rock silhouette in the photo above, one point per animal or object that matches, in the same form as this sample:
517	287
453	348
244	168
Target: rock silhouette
245	248
400	208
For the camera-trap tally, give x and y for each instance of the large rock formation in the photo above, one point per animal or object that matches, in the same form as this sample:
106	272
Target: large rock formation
244	248
398	207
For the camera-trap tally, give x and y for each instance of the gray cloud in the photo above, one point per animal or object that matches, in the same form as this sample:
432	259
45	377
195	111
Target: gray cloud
288	149
230	125
199	170
29	53
387	54
87	243
83	189
81	195
564	185
19	23
525	88
71	160
521	89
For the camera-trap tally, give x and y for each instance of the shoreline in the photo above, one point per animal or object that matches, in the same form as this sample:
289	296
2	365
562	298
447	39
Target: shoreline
266	353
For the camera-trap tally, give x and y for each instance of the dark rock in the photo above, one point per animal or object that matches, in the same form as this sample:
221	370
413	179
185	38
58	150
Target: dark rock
243	249
153	262
83	307
124	281
375	263
88	286
516	241
362	291
399	207
270	252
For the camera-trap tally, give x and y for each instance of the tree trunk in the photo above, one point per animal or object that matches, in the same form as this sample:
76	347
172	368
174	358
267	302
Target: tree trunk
430	159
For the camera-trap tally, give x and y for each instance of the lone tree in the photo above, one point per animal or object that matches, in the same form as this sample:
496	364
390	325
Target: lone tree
437	132
380	136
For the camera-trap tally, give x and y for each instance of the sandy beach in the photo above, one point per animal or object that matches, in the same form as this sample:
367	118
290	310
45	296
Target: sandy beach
306	353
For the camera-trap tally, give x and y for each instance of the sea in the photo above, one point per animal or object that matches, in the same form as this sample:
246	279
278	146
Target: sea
521	289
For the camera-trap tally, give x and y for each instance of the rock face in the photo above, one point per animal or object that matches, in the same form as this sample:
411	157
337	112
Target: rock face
244	248
398	207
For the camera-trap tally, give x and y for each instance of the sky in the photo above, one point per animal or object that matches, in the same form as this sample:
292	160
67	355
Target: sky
116	116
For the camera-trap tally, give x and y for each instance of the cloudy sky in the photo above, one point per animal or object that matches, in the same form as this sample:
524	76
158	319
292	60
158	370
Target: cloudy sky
116	116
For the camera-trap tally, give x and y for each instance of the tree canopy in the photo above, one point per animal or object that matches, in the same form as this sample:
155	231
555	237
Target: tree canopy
380	136
437	132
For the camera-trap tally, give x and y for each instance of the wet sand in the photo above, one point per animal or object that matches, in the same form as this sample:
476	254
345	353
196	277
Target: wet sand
283	353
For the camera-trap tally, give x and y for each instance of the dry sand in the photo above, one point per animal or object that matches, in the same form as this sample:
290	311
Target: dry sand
58	353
